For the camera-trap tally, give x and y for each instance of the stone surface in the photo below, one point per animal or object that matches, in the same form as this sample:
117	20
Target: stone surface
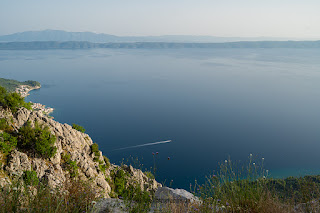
69	141
164	194
109	205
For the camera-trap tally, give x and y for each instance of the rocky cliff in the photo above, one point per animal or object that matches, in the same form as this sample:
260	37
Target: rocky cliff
90	166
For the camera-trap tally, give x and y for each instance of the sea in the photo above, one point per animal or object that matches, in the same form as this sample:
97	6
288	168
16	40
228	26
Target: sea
211	105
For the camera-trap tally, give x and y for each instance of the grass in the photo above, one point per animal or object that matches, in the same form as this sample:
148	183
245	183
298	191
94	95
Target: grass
235	187
24	198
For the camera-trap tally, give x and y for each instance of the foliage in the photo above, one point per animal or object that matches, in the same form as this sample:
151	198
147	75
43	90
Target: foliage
107	162
4	125
3	93
102	167
78	127
70	165
120	178
137	200
30	178
298	189
235	185
39	140
7	142
21	198
95	150
12	100
11	85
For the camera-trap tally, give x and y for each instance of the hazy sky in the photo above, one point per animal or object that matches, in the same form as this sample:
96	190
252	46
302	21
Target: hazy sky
244	18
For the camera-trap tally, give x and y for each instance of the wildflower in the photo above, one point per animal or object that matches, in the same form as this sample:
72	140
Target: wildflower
14	188
168	158
218	200
262	158
152	153
93	202
227	204
225	161
254	163
157	153
250	155
264	177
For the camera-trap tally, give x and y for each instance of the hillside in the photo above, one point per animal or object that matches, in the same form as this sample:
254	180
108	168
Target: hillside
12	85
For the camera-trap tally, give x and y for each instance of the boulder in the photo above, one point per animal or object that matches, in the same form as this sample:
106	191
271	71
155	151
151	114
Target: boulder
166	194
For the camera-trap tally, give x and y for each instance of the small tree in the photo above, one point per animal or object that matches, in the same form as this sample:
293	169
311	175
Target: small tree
12	101
38	139
7	142
78	127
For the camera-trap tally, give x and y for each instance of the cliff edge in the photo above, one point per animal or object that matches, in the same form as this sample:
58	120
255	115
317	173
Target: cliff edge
71	146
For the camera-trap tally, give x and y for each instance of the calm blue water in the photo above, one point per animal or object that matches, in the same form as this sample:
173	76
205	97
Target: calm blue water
211	103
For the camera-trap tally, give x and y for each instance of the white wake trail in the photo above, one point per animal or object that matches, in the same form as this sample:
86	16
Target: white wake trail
146	144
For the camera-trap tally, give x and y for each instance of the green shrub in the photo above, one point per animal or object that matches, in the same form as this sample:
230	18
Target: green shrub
38	139
73	168
78	127
107	161
7	142
120	181
102	167
12	100
136	200
30	178
70	165
95	150
3	124
3	93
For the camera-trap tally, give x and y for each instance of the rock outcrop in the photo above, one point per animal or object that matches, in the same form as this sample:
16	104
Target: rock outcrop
68	141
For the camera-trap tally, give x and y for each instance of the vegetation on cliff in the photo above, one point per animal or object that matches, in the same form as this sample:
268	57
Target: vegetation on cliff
10	85
48	166
12	100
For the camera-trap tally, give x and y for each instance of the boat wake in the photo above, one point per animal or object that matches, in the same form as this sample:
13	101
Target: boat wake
146	144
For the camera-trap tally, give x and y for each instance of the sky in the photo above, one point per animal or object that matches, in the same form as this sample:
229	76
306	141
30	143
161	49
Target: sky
226	18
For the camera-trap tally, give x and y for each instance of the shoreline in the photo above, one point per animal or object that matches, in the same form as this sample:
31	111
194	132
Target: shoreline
24	90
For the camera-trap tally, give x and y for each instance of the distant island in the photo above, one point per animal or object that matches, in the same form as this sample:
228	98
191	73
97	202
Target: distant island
45	45
62	36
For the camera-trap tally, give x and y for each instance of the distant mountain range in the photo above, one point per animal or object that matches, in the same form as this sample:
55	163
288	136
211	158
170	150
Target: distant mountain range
44	45
62	36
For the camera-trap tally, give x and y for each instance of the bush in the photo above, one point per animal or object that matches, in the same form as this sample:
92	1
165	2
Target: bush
107	161
12	100
38	139
120	181
7	142
4	125
30	178
70	165
3	93
95	150
78	127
